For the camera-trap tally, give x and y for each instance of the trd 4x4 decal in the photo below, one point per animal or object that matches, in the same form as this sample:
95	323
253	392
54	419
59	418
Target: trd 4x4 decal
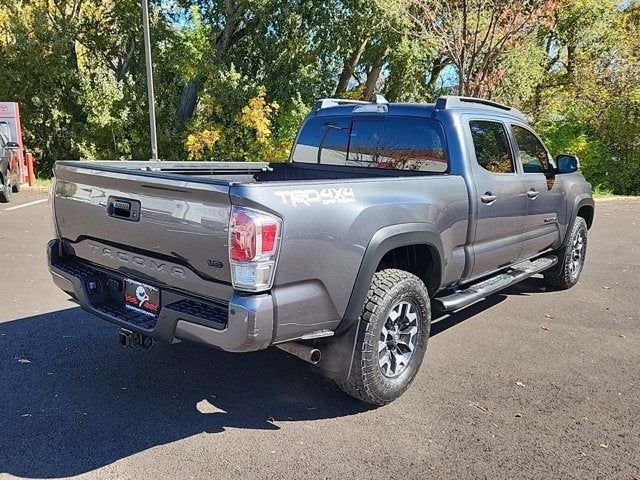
326	196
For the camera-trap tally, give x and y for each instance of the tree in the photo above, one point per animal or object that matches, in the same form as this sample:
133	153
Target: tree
475	34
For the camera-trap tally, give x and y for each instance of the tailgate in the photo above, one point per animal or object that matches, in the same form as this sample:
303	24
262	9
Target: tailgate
176	232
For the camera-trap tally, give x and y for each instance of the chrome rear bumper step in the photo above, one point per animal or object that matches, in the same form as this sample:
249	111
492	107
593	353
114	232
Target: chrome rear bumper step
478	291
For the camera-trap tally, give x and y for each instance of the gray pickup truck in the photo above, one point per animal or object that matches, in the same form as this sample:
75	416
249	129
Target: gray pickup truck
383	213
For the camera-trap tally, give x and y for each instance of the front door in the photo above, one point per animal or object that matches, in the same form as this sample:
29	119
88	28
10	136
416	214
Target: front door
545	198
500	199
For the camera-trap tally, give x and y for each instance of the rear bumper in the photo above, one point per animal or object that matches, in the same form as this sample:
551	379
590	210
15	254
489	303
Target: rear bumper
243	324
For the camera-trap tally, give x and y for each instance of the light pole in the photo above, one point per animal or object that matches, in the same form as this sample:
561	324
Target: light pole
152	103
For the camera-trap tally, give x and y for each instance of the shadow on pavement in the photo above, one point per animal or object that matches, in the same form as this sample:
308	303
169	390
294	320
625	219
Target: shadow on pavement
73	400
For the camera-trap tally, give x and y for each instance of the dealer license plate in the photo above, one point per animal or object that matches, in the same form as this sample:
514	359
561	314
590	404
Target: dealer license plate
141	297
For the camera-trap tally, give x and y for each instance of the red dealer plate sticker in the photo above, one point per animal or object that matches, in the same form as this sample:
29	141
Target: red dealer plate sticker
141	297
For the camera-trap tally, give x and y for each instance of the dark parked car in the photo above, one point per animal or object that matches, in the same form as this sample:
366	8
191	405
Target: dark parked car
9	169
383	212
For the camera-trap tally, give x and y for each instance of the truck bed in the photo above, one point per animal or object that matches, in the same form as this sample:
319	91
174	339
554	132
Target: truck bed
243	172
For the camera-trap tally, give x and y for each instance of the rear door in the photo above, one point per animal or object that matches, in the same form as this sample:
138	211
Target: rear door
499	194
544	196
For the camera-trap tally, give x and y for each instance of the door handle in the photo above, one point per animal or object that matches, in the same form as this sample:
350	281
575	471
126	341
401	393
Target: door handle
533	194
488	197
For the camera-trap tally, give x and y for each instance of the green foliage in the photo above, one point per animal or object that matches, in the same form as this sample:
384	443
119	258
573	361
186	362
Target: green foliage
523	72
257	67
236	121
590	105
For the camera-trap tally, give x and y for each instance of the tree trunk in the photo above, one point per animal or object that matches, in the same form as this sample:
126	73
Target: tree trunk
372	79
436	69
188	101
571	60
222	44
350	67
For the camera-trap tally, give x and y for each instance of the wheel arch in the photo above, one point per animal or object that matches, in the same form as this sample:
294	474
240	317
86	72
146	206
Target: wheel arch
422	237
583	206
338	351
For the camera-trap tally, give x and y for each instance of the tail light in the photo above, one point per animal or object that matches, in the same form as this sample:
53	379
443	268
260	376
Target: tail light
254	238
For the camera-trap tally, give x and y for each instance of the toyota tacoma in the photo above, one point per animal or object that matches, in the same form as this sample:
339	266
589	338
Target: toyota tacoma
383	213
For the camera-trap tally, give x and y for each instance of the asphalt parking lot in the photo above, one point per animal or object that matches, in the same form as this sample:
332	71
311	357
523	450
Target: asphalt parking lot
531	383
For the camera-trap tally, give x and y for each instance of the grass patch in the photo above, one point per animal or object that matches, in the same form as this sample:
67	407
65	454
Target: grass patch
43	183
604	194
599	192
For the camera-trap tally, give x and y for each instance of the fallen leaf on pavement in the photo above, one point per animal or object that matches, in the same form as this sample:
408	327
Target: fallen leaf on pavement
546	329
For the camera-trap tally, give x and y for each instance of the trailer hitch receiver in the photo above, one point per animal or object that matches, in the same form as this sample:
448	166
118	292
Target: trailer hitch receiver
127	338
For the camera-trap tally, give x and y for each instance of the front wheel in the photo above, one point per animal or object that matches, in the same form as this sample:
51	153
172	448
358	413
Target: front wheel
571	258
392	338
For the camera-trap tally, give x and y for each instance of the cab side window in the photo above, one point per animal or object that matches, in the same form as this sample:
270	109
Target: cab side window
533	155
492	146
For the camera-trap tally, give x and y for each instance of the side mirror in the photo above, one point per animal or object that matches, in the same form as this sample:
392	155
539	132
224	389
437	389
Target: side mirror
13	145
567	163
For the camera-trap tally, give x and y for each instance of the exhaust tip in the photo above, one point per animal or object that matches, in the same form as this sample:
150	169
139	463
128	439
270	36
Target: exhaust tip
306	353
315	356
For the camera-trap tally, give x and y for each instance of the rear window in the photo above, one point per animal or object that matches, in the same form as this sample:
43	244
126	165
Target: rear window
323	140
394	142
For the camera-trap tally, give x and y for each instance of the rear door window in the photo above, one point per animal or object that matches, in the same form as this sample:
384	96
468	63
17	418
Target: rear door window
491	145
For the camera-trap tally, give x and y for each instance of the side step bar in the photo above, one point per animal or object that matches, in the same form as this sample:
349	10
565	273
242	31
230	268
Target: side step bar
478	291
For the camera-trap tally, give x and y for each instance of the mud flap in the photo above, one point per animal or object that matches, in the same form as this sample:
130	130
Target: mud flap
337	354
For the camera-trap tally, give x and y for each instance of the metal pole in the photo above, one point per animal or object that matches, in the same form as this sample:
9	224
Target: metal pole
152	104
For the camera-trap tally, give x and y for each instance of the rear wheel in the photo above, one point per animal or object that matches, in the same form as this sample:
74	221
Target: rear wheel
392	338
16	188
571	258
5	192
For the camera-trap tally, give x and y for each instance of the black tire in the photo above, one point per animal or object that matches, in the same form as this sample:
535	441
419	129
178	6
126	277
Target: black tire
391	292
570	258
16	188
5	193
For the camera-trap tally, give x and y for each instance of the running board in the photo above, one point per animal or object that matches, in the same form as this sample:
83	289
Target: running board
478	291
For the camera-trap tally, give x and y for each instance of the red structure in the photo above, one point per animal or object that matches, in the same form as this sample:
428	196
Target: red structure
11	128
30	168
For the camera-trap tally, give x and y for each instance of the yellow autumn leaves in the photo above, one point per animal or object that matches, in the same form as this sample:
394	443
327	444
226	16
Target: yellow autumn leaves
255	120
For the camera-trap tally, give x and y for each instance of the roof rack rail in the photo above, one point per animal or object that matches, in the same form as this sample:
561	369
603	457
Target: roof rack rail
334	102
450	101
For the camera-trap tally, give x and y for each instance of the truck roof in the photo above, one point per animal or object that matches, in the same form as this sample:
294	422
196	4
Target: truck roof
333	107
